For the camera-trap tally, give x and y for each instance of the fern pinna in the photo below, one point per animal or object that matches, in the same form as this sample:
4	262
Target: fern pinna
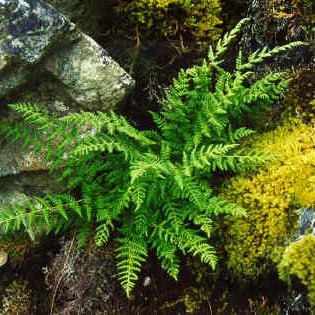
152	187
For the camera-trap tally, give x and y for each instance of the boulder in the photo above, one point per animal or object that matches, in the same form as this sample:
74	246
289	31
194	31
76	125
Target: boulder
46	60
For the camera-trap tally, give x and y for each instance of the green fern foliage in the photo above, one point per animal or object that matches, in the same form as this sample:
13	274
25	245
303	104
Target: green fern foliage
154	188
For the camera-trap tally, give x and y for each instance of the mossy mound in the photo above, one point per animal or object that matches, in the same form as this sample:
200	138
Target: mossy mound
271	197
299	259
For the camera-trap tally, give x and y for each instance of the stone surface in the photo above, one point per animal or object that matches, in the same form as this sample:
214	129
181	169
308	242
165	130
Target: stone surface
306	222
28	30
3	258
94	81
46	60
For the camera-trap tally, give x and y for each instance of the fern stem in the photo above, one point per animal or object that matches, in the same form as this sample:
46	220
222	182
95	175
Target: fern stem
25	214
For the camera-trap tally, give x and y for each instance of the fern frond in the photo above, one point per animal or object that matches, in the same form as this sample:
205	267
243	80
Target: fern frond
222	44
174	215
218	206
130	255
148	162
103	231
210	155
142	222
194	193
193	243
205	251
34	115
205	223
39	214
261	54
138	194
166	253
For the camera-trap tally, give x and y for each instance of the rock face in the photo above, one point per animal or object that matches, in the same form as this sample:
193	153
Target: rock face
46	60
306	222
33	33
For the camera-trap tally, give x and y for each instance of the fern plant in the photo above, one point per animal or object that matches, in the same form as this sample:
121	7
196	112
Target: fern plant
153	186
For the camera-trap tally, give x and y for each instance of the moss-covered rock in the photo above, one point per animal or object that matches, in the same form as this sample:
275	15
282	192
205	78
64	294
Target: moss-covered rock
271	197
299	259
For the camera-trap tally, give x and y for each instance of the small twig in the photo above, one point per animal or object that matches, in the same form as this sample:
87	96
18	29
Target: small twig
61	276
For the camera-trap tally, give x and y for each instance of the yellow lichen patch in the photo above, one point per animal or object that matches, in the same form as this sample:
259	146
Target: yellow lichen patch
299	259
271	197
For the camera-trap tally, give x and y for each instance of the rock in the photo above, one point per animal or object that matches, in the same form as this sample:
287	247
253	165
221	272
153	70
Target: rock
89	74
28	30
306	222
3	258
33	33
46	60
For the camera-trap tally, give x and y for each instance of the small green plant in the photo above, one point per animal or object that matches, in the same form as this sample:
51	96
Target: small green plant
153	186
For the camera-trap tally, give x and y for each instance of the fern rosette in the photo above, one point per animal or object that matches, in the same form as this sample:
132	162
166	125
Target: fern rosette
152	186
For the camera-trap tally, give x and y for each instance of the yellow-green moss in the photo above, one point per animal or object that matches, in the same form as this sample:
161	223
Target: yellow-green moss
271	197
192	298
178	21
299	259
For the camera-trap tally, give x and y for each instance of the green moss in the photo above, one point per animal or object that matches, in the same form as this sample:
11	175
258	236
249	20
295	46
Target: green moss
193	298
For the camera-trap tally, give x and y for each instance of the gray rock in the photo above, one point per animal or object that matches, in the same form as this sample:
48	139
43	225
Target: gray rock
95	81
29	28
46	60
306	222
32	31
3	258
